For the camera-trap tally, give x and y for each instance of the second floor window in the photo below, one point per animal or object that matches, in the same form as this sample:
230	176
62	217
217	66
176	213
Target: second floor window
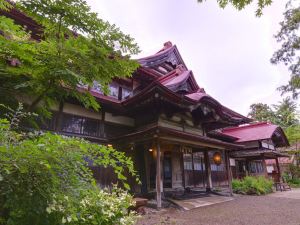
80	125
114	90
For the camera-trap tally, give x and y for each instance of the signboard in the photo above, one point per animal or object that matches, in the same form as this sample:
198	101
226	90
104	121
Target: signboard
232	162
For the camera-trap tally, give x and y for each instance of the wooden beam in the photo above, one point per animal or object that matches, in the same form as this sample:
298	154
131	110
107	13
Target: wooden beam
208	172
196	144
278	169
158	176
229	172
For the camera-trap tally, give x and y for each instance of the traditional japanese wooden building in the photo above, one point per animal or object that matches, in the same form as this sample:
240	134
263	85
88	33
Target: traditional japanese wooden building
172	129
160	117
261	142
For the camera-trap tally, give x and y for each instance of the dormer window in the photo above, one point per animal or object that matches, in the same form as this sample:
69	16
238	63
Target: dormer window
97	87
125	92
114	90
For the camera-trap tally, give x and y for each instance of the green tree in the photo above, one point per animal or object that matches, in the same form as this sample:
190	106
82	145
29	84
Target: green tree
241	4
75	47
261	112
45	179
286	113
293	133
289	53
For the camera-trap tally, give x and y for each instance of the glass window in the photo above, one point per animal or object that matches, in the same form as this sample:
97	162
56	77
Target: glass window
89	127
187	159
198	161
97	87
80	125
113	90
71	124
125	92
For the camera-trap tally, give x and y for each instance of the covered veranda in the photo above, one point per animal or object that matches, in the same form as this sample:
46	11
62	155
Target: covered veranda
245	163
169	160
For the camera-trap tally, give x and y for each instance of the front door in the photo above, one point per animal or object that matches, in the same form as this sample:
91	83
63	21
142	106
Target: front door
167	170
194	169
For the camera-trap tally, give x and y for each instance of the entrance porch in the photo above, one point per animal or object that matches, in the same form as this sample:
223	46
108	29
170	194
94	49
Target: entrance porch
171	162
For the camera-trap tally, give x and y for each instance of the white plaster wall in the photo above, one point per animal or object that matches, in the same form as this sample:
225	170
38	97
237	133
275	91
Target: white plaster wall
119	119
81	111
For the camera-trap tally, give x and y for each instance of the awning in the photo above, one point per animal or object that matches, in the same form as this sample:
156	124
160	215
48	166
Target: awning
175	136
258	154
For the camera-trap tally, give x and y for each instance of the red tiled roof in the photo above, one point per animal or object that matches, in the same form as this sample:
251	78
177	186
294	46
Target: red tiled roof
252	132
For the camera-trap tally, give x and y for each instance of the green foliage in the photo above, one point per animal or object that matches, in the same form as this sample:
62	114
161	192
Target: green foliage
293	134
295	183
241	4
294	171
289	53
4	5
261	112
283	114
286	113
45	179
253	185
292	176
75	47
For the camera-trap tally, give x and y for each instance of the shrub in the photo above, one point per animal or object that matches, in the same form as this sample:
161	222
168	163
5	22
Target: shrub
44	179
295	182
253	185
294	171
292	181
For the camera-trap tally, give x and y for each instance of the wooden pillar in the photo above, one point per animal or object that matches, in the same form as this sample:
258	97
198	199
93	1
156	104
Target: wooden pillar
229	172
193	169
247	168
207	172
182	167
158	176
278	169
264	165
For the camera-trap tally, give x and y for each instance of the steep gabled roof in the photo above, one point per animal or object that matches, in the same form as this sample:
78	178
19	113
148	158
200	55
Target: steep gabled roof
180	79
164	61
257	131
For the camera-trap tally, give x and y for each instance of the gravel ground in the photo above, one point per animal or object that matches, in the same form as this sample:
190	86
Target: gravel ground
244	210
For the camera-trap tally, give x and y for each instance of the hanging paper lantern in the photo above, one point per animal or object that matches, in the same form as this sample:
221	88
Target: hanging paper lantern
217	158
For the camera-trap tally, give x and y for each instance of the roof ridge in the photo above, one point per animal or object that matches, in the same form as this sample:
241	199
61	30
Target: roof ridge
255	124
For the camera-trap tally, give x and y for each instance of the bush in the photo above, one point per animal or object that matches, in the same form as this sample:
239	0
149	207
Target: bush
292	181
44	179
253	186
294	171
295	182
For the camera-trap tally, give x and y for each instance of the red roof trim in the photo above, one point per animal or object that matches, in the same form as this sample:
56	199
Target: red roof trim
256	131
164	130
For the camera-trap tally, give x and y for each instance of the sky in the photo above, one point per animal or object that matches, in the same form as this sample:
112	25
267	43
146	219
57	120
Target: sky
228	51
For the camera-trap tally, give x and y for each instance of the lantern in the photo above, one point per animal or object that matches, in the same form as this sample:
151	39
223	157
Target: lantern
217	158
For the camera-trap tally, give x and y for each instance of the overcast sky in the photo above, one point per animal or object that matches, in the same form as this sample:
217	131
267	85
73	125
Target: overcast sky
228	51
